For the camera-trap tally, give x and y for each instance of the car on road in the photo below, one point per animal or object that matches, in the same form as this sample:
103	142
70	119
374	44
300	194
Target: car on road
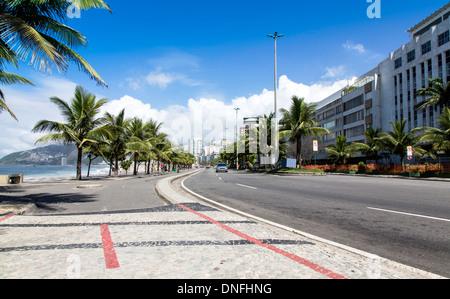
221	167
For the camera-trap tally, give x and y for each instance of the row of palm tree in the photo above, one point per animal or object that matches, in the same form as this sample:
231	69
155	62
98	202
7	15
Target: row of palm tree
299	122
425	141
112	137
36	31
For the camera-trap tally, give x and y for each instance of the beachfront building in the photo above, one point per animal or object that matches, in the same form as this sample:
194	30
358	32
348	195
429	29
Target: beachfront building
388	92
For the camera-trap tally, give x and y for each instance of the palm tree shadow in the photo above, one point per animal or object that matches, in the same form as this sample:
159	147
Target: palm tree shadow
46	201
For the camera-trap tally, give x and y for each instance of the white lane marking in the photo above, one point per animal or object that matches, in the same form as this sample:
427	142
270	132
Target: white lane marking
245	186
409	214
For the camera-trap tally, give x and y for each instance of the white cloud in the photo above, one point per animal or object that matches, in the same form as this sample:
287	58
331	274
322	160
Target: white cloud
30	104
204	117
159	78
358	48
214	119
335	72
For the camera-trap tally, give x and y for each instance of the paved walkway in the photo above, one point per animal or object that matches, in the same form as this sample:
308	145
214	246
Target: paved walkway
186	239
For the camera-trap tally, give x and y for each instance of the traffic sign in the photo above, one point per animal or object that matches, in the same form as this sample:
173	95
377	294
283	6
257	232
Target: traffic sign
409	151
315	146
409	158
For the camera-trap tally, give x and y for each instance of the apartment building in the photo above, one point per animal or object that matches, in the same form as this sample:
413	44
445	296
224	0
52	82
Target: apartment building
389	91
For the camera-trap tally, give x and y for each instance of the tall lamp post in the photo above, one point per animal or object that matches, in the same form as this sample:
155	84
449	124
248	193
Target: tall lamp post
237	110
275	116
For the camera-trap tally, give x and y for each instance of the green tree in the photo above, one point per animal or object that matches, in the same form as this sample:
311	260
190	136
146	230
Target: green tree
299	121
125	164
154	136
137	142
437	93
398	140
372	145
340	152
116	137
439	137
81	124
35	31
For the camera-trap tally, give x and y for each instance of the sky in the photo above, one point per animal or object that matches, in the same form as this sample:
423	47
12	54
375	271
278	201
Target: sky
188	64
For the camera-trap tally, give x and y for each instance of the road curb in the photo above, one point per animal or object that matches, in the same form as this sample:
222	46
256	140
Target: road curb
165	189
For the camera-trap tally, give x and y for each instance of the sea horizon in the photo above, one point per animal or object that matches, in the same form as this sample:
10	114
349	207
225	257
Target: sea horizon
52	171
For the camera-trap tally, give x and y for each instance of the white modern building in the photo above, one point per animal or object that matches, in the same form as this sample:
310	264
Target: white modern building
388	92
195	146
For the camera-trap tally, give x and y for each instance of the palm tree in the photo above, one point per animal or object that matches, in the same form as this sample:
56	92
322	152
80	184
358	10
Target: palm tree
35	30
153	133
397	140
299	122
437	93
162	149
439	138
116	138
340	152
8	79
81	123
372	145
137	142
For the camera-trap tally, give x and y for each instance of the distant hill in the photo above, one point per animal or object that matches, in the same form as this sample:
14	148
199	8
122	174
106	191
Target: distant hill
48	155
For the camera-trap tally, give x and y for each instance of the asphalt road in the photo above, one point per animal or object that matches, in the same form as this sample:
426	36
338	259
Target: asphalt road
407	221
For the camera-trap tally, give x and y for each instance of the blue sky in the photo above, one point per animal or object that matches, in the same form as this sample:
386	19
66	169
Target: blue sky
172	56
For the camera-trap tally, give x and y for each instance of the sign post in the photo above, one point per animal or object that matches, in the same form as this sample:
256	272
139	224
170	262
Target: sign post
315	149
409	153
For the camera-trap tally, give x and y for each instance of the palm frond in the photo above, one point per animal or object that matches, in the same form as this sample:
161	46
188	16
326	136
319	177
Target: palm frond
24	40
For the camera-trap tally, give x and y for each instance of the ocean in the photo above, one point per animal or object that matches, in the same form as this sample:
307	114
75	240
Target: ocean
52	171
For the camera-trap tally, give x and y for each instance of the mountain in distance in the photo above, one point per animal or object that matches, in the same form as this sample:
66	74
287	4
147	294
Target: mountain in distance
47	155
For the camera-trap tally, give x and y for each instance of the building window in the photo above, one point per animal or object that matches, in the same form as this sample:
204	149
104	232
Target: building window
426	47
443	38
358	101
440	70
447	62
430	69
328	114
354	117
354	132
330	126
422	72
416	123
398	63
411	55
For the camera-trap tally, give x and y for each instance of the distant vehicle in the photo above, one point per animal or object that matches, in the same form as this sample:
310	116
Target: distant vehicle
221	167
208	166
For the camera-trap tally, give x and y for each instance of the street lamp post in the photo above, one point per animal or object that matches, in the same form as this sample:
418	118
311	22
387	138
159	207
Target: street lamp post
237	110
275	116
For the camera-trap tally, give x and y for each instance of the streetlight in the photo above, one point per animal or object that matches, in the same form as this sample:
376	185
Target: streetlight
237	110
275	36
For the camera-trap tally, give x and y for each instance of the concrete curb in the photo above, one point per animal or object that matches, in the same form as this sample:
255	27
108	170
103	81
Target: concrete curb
390	176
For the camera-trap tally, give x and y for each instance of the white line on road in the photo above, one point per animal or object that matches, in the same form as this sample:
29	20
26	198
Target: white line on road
409	214
247	186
